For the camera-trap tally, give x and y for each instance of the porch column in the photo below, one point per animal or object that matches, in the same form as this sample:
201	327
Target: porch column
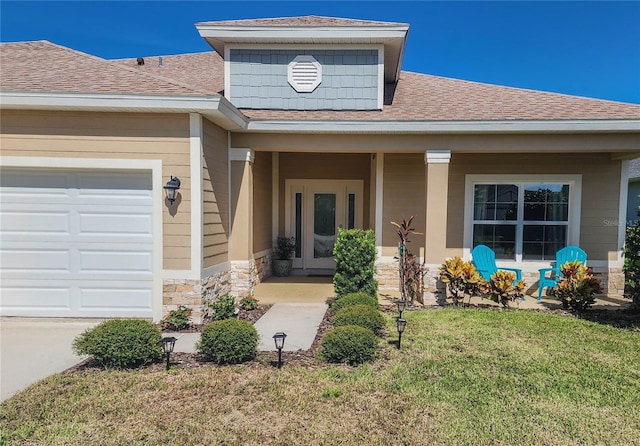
436	195
241	231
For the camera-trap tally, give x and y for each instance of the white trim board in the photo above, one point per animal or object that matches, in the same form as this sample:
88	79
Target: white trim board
196	153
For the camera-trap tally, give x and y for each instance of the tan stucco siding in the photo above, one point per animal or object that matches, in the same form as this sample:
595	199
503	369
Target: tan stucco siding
403	196
324	166
600	193
262	202
115	136
215	195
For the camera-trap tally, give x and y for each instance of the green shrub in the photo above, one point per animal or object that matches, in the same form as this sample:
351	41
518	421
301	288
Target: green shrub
248	303
229	341
632	262
349	344
121	343
354	299
355	254
177	319
360	315
223	308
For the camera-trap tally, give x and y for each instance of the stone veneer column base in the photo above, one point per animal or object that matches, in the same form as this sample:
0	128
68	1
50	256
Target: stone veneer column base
195	294
262	267
243	278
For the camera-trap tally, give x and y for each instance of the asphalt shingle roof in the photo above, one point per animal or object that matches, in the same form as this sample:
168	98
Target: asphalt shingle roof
46	67
42	66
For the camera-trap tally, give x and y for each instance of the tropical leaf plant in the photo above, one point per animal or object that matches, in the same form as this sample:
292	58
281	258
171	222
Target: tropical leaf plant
461	279
577	286
410	271
503	289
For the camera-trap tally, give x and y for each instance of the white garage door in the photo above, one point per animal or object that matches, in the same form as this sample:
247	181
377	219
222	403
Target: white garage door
76	243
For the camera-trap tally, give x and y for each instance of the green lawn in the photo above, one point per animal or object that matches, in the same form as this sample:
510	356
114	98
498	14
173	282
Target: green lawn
463	376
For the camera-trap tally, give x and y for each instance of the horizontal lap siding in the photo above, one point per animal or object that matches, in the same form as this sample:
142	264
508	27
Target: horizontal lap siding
262	202
113	135
403	196
600	193
215	193
324	166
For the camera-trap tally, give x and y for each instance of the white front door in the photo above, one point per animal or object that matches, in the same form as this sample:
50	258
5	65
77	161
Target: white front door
316	211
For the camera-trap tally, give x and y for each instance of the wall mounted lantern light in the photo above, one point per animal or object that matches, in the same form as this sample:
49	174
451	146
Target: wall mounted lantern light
171	189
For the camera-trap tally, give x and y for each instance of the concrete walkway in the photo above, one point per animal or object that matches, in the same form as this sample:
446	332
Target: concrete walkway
32	349
299	321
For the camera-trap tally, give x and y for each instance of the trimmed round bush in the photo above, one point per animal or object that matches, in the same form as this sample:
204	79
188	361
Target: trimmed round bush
230	341
121	343
349	344
360	315
354	299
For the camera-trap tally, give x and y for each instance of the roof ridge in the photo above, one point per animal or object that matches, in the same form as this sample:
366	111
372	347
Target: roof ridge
523	89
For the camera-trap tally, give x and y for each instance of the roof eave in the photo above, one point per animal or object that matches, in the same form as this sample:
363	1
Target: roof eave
448	127
215	107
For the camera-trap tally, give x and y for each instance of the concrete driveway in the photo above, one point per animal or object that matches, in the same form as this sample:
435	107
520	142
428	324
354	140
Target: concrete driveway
32	349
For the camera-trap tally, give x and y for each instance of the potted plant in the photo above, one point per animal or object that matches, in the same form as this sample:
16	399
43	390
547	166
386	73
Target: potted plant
283	256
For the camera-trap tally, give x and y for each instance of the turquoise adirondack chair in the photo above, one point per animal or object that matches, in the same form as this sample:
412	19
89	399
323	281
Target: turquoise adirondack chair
568	254
485	261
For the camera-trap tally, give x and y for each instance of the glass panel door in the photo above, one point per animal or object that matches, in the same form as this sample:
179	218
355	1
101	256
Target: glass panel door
324	225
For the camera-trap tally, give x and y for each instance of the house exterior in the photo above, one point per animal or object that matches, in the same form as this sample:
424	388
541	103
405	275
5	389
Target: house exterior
633	196
293	126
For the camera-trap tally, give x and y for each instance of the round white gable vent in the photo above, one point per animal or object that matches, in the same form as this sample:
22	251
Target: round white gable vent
304	74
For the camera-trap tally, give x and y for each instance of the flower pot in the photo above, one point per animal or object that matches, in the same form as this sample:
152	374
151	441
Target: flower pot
281	268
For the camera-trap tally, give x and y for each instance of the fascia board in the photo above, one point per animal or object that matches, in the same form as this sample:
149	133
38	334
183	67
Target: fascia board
214	105
568	126
304	34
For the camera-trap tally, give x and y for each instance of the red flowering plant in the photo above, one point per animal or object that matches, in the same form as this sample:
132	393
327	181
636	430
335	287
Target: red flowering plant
177	319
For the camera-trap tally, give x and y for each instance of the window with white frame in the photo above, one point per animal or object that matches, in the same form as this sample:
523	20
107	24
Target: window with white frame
523	220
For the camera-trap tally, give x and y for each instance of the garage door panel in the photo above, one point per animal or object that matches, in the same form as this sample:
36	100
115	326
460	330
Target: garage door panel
14	296
123	297
41	222
35	260
123	262
76	243
105	223
23	182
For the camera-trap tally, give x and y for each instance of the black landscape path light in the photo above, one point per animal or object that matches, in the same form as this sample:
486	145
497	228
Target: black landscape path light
171	189
168	344
279	340
401	324
402	304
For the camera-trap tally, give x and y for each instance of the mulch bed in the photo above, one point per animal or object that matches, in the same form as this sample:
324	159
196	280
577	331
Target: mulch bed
625	319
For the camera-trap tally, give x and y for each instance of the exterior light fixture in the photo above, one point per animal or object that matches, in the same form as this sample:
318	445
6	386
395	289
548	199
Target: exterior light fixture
279	340
401	324
167	347
171	189
402	305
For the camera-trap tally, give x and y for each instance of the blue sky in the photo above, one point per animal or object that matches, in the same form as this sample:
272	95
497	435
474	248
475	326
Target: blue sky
581	48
